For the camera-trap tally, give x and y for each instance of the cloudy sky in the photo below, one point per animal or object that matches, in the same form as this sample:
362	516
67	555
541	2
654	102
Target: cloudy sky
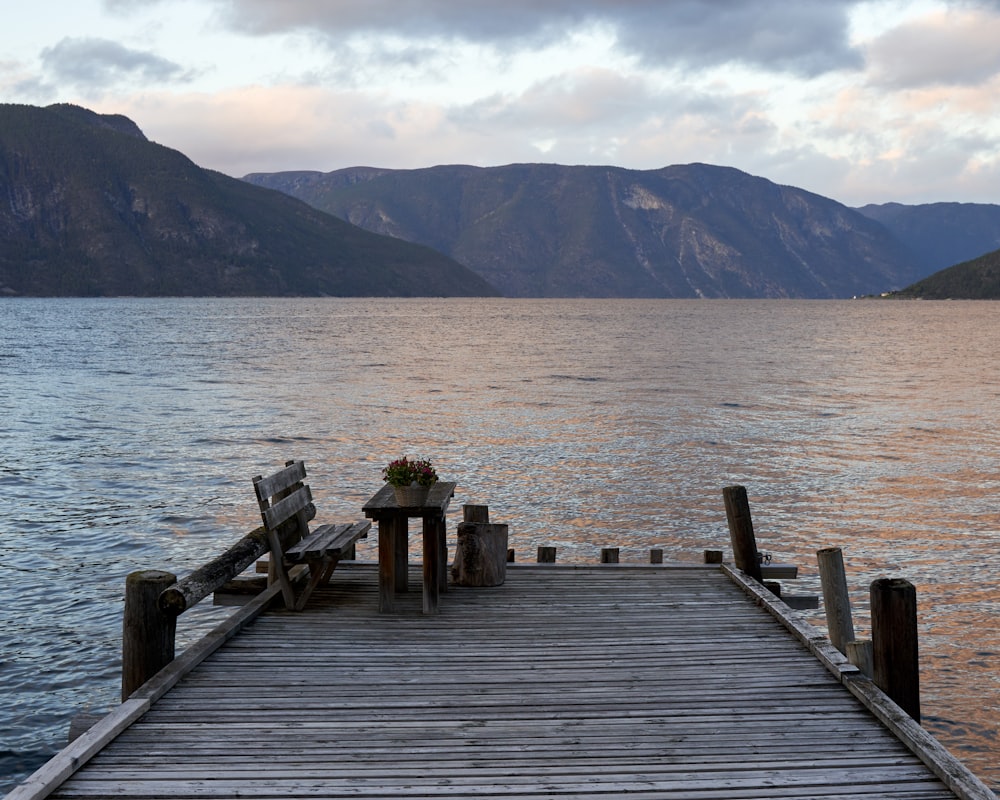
859	101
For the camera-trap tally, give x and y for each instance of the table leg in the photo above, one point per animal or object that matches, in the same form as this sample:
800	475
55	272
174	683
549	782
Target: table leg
402	568
386	565
442	534
432	565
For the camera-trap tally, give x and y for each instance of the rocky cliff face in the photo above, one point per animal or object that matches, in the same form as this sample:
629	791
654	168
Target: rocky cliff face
88	206
695	230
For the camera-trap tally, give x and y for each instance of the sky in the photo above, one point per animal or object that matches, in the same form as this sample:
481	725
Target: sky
862	102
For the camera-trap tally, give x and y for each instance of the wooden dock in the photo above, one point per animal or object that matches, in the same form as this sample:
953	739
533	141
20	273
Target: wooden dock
566	682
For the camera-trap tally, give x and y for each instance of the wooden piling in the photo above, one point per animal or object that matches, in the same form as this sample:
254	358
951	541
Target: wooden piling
741	534
147	632
656	555
546	555
713	556
895	659
609	555
836	600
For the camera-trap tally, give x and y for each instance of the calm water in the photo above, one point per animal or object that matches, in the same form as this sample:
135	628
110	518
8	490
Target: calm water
131	429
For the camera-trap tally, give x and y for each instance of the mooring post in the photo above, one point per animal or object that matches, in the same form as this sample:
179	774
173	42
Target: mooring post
609	555
713	556
836	600
546	555
147	632
895	659
656	555
741	531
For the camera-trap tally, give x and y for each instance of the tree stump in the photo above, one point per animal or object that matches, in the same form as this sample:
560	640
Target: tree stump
480	555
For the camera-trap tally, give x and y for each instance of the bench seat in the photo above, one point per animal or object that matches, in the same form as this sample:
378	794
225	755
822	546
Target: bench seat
335	541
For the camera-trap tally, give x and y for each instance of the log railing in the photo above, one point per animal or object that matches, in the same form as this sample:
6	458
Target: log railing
155	599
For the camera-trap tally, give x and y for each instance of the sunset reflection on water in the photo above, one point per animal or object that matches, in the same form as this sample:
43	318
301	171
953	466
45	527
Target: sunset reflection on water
869	426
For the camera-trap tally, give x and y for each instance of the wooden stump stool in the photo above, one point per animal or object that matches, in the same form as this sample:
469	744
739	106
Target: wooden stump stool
480	555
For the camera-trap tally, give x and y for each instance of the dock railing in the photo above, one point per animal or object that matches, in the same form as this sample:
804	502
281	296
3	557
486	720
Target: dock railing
155	599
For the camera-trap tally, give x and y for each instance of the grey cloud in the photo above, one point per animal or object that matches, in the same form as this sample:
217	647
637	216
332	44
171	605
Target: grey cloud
473	20
97	63
924	54
808	36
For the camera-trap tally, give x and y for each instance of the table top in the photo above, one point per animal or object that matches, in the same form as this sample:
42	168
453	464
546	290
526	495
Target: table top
383	502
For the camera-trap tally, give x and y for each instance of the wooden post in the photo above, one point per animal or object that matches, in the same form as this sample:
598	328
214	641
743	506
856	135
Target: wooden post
895	660
546	555
656	555
471	513
741	531
147	633
836	600
510	555
713	556
609	555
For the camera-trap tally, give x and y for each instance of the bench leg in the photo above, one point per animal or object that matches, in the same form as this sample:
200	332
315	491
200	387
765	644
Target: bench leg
320	570
277	571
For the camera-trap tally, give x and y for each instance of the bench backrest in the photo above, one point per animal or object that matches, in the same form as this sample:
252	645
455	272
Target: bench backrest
285	502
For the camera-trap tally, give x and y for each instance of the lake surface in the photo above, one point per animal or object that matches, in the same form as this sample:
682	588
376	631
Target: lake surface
131	430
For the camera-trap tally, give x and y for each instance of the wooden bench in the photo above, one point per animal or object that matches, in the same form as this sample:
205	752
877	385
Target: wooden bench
286	508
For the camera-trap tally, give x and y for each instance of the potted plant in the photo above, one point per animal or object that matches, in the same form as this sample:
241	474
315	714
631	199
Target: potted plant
410	479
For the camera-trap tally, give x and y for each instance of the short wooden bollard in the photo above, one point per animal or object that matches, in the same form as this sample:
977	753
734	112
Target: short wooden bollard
895	658
836	600
741	533
510	555
546	555
147	633
474	513
480	554
609	555
656	555
859	653
713	556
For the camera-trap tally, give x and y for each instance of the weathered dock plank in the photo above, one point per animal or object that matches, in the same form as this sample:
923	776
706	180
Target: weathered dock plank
569	683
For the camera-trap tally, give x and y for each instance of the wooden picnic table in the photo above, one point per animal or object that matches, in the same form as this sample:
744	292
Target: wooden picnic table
393	533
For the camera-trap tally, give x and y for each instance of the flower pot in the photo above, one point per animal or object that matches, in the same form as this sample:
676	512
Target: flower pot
412	495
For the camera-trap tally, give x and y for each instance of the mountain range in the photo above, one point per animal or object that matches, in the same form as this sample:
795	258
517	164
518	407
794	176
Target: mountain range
694	230
89	206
